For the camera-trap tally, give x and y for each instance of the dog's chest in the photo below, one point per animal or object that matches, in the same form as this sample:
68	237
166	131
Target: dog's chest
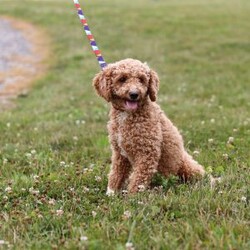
123	134
120	141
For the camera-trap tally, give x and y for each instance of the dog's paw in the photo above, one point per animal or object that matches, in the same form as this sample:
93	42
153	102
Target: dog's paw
141	188
110	192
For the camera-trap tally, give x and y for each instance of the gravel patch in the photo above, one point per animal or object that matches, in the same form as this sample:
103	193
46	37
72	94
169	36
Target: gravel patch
23	48
12	44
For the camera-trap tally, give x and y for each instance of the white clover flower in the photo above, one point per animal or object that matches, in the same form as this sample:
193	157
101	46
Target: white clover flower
220	192
129	246
59	212
5	161
225	156
158	188
212	99
5	197
140	203
35	177
212	120
62	163
8	124
75	138
33	191
83	238
126	214
214	181
33	151
28	155
52	202
98	178
235	130
245	123
196	152
8	189
94	213
124	192
211	140
202	122
85	189
243	198
35	129
230	140
3	242
23	189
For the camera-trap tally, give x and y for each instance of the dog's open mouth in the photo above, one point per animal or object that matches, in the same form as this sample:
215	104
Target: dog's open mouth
131	105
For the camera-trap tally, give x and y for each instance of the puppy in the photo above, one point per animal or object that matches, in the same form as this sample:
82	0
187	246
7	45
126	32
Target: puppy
143	140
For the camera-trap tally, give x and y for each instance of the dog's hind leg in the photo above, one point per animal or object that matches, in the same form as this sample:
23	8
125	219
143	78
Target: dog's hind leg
190	168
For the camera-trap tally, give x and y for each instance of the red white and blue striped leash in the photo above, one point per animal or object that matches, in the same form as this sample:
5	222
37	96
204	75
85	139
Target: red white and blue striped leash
90	36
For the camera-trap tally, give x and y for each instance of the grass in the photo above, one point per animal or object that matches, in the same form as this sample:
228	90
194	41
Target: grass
54	152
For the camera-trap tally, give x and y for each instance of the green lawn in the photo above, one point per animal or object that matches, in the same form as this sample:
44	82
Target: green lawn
54	152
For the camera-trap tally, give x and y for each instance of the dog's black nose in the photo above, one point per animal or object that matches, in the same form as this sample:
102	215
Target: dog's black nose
133	95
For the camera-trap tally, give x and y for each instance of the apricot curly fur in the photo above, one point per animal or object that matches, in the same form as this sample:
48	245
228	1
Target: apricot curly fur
143	140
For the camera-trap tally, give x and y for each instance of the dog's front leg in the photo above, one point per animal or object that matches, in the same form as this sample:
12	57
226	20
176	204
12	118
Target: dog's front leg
119	172
144	169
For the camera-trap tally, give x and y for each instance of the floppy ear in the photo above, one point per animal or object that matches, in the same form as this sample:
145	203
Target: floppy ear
102	84
153	85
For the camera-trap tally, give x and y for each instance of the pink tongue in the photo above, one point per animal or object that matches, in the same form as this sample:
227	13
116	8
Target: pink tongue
131	105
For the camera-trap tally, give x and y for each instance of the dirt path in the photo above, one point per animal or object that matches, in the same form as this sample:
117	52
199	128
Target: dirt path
23	50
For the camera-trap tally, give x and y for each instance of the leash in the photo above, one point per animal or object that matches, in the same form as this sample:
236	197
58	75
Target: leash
90	37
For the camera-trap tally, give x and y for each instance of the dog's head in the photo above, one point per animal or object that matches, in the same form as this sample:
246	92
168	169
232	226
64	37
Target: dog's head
127	84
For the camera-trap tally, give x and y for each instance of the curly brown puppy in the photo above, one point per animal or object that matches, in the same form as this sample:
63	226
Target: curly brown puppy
143	140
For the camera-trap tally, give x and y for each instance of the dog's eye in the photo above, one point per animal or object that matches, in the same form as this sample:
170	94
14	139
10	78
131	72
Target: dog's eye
142	79
123	79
